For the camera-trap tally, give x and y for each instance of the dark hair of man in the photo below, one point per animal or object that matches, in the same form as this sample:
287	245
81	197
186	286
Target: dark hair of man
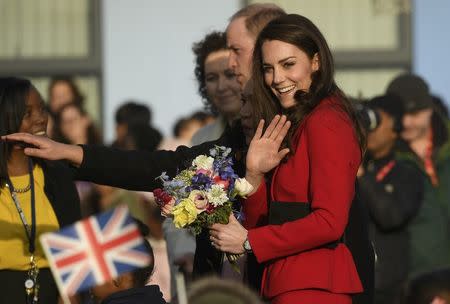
77	96
393	106
132	112
13	97
302	33
144	137
213	42
180	124
258	15
201	116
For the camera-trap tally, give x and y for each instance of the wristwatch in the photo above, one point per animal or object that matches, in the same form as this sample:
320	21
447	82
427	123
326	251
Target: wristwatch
247	246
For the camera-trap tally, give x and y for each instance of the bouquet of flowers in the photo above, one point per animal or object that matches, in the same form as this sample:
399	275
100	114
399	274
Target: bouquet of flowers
204	193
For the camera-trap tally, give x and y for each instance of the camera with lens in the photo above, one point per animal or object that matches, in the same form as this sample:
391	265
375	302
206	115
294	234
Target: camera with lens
369	118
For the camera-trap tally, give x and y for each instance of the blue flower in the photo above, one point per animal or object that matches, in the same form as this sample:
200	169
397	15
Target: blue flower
201	182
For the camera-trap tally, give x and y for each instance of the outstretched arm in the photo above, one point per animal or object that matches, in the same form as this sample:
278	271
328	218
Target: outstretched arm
44	147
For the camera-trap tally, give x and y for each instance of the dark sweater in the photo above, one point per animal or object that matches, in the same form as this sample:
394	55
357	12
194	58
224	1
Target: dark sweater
392	202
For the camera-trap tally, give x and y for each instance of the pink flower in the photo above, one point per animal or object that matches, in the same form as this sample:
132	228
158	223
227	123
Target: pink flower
199	199
203	171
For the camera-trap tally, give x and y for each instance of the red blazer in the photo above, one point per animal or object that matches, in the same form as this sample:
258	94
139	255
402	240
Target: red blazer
321	171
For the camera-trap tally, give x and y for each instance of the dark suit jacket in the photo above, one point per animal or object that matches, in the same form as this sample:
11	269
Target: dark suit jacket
61	191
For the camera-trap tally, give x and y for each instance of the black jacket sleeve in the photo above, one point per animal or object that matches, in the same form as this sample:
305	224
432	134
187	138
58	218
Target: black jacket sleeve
133	170
138	170
392	203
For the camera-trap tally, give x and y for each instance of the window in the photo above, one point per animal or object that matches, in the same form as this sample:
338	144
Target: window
41	39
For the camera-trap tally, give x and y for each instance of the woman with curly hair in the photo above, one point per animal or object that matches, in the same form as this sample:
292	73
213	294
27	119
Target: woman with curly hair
217	85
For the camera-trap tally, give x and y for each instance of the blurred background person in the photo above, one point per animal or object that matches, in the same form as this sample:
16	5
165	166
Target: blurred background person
61	91
425	141
128	114
130	288
428	288
72	125
185	128
220	291
142	138
392	190
217	85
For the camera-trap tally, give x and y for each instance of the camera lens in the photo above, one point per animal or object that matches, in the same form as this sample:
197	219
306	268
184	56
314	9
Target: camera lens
370	119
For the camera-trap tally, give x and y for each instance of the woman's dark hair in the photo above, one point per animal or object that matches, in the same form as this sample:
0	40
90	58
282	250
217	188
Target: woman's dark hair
93	135
77	96
213	42
13	98
144	137
302	33
133	113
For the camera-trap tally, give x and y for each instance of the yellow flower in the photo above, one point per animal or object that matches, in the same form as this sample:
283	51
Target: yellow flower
184	213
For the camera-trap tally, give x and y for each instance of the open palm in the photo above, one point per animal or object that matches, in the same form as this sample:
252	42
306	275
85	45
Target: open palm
264	152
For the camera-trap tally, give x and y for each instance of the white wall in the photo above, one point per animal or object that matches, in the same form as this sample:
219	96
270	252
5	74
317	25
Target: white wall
431	25
147	54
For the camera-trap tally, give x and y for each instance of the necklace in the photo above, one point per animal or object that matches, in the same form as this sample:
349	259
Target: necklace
22	190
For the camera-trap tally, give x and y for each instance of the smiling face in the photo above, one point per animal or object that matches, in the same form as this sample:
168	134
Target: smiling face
221	85
416	124
35	118
287	69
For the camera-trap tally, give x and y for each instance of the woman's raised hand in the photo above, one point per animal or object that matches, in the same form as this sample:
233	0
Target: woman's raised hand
44	147
264	152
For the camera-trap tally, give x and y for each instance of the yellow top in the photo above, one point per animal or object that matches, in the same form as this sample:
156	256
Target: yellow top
14	253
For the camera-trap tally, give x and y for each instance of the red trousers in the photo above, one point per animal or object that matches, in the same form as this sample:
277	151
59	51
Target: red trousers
311	296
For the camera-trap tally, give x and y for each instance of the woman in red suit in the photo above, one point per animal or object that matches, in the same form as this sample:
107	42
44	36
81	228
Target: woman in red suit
309	193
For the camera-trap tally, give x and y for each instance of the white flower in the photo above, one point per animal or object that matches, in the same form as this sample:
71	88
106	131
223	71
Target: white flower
242	187
217	196
203	162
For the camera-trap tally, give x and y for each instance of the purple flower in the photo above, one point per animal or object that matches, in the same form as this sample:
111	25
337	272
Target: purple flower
201	182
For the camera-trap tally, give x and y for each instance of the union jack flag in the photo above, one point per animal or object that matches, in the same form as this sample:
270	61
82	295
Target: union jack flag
95	250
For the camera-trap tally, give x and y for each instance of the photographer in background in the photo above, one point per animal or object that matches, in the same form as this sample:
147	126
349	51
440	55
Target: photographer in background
392	189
